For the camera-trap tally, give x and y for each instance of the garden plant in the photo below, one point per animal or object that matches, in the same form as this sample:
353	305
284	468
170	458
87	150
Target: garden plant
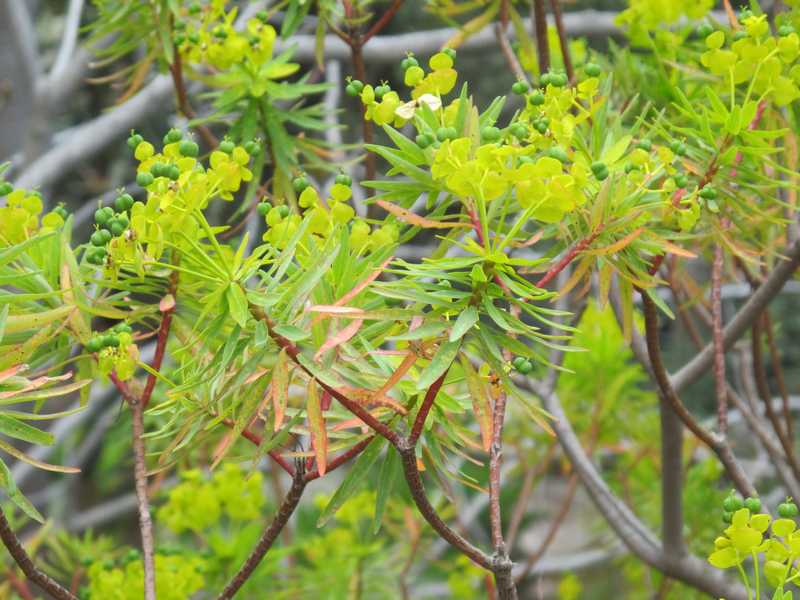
346	312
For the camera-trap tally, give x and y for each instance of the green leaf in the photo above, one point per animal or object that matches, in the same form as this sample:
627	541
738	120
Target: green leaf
292	333
439	364
426	330
3	317
237	304
390	473
353	481
22	431
17	497
464	323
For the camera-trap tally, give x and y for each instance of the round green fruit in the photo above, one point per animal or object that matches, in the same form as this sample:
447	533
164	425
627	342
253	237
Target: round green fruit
299	184
520	88
263	208
536	98
344	179
144	179
592	69
227	146
189	148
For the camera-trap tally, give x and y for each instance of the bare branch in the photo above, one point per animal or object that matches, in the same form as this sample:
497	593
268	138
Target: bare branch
69	39
269	535
145	521
25	562
743	320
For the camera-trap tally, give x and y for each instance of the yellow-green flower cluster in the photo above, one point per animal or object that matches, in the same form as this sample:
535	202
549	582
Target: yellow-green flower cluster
757	58
20	217
170	212
198	502
746	538
122	358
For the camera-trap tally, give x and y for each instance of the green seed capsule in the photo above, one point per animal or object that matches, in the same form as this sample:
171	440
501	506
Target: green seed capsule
785	30
189	148
681	181
134	141
110	341
283	210
106	235
343	179
227	146
490	134
733	503
299	184
727	517
123	202
708	193
263	208
645	145
558	154
704	30
519	131
443	133
100	216
520	88
97	239
450	52
252	147
518	361
350	90
424	140
6	188
545	80
536	98
116	228
144	179
173	172
753	505
94	345
592	69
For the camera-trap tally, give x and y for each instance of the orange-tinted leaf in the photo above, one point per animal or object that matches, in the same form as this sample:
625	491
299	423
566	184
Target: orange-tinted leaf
413	219
316	422
280	388
341	337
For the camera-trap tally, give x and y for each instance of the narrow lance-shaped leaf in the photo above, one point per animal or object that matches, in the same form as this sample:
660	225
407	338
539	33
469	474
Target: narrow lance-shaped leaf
280	388
316	422
439	364
464	323
353	480
480	403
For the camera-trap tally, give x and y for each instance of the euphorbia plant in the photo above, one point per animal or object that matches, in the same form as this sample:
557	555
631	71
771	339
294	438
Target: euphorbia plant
319	345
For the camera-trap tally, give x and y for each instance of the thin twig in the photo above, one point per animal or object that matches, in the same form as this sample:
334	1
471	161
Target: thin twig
411	471
555	525
777	370
269	535
161	343
667	391
382	22
760	377
569	257
528	486
743	320
425	408
508	53
719	352
145	521
25	562
540	27
555	5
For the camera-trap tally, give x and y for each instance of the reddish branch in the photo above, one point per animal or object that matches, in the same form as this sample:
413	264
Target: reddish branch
269	535
182	100
760	376
257	440
356	41
719	349
343	458
354	407
568	258
540	27
161	342
417	489
21	586
25	562
425	408
562	39
667	392
777	369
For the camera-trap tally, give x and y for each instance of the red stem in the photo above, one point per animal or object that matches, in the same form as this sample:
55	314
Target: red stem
382	22
568	258
425	408
343	458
